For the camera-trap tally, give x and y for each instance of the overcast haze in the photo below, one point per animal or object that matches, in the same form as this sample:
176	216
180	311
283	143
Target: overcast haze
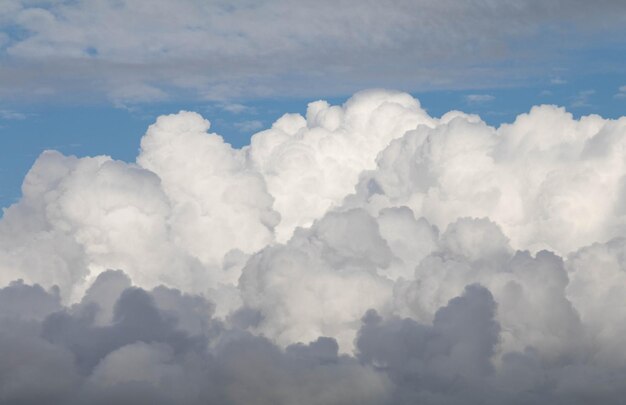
283	203
138	51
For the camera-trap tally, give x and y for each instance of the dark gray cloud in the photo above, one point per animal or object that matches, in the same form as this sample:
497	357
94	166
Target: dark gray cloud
161	346
145	354
447	362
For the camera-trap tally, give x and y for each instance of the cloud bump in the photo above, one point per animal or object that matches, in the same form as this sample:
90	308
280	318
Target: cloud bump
363	253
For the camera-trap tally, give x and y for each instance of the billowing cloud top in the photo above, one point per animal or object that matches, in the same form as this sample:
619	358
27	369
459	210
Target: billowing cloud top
364	253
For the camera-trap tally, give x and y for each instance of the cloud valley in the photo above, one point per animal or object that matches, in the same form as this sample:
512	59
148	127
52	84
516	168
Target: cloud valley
363	253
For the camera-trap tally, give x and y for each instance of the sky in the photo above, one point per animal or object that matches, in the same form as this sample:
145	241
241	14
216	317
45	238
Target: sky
88	77
279	202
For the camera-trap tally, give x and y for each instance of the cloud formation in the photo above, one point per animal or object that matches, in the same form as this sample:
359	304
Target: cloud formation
363	253
125	50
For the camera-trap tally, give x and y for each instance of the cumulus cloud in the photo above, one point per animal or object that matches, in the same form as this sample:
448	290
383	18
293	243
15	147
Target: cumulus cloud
145	354
362	253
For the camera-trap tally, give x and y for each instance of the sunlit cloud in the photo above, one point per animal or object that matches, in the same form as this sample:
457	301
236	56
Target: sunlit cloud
360	253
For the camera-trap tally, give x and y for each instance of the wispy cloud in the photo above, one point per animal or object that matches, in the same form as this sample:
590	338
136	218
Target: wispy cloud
242	50
237	108
621	92
248	126
479	98
10	115
557	80
582	99
125	96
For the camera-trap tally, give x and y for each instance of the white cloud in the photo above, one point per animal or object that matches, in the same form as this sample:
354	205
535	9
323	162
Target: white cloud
248	126
362	252
621	92
479	98
236	108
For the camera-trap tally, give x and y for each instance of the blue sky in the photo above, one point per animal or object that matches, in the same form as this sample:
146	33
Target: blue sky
88	77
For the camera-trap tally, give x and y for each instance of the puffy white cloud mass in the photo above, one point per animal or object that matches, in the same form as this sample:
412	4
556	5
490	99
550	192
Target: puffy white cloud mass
365	253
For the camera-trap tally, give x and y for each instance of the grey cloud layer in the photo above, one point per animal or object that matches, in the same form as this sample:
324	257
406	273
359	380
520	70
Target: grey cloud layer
124	50
364	253
161	346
